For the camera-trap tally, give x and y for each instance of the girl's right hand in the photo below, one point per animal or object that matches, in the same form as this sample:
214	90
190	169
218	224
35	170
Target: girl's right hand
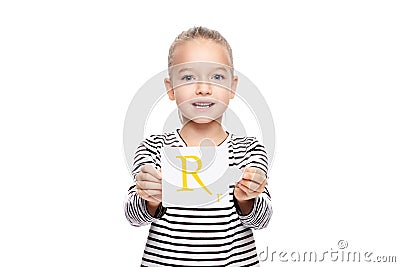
148	184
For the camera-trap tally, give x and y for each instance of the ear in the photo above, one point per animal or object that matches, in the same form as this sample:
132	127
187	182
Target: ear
233	87
168	87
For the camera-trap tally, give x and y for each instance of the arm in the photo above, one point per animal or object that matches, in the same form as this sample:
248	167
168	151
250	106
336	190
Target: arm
256	211
139	211
136	210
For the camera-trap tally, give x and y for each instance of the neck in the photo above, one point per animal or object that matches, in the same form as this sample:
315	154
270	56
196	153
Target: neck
194	133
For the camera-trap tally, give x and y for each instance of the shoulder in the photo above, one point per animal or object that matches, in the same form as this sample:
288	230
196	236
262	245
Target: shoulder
159	140
248	146
245	141
249	151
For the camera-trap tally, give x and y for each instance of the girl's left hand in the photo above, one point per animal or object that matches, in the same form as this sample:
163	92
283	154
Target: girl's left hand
251	185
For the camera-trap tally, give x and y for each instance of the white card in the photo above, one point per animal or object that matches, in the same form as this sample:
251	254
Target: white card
197	176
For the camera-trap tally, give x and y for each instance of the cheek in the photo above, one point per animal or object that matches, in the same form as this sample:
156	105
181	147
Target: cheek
222	94
183	93
181	99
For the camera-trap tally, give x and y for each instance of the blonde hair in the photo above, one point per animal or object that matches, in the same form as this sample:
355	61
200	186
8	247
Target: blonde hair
198	33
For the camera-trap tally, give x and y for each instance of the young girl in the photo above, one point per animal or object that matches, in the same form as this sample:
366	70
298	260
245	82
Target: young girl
185	236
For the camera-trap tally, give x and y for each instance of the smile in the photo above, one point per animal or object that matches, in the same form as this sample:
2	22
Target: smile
203	104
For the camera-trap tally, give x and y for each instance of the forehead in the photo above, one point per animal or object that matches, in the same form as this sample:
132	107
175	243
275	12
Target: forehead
200	67
201	50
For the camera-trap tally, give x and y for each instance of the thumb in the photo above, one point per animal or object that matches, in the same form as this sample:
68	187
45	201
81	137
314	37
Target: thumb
159	170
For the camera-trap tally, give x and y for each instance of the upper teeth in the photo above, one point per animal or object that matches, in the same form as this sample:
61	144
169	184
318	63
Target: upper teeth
203	104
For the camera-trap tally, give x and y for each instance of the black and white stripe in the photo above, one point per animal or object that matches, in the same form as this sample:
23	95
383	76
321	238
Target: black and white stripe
201	236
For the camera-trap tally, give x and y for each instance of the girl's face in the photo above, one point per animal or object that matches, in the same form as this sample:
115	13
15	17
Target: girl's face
201	80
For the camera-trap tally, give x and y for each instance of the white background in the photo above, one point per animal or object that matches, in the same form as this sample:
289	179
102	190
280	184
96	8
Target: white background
329	71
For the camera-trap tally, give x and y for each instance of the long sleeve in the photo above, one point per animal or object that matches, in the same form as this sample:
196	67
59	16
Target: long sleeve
135	207
261	212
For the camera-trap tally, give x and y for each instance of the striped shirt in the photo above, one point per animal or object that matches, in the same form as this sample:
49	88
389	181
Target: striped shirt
186	236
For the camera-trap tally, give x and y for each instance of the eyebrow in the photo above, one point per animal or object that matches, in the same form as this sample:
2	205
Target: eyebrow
184	69
221	68
189	69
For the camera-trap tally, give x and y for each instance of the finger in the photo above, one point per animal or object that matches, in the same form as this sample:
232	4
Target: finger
251	186
258	179
264	184
254	170
156	198
148	192
247	192
239	192
255	177
148	185
148	168
144	176
158	170
150	195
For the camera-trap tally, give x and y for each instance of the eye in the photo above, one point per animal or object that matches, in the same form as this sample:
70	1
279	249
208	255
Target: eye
218	77
187	78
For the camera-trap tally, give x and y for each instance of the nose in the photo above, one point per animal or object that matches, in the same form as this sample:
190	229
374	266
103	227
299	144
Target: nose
203	88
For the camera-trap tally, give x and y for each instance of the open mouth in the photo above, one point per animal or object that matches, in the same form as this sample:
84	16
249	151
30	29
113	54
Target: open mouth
203	105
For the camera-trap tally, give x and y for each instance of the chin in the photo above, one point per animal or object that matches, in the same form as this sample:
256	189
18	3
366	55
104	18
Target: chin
202	120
